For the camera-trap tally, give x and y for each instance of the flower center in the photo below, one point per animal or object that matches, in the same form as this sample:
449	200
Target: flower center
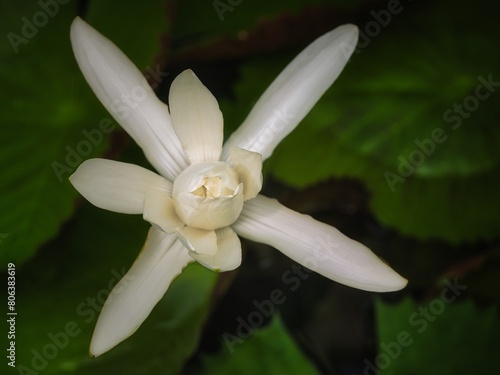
208	195
212	187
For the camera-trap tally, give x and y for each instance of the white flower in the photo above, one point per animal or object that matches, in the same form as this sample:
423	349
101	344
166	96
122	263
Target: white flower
206	193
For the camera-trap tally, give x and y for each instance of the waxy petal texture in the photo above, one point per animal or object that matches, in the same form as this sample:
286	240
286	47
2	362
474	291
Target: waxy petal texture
198	241
228	256
315	245
123	90
196	118
248	165
159	210
116	186
132	299
294	92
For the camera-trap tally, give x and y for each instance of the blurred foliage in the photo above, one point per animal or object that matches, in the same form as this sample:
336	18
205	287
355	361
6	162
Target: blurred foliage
437	337
137	30
221	17
269	350
45	106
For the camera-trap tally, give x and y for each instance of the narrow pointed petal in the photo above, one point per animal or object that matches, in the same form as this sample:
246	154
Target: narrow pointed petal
116	186
294	92
196	118
125	93
198	241
248	165
132	299
228	256
159	210
316	246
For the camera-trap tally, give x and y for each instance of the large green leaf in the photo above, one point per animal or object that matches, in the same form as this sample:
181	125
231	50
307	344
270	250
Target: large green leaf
436	337
50	120
61	291
269	350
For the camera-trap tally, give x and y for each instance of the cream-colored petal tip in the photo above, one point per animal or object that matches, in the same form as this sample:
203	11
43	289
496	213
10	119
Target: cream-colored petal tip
349	28
394	283
78	26
101	344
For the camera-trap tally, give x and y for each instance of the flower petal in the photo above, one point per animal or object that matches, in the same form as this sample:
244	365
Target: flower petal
196	118
248	165
228	256
316	245
116	186
294	92
159	210
198	241
125	93
132	299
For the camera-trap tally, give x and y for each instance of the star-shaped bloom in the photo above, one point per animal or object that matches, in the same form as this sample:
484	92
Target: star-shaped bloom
206	193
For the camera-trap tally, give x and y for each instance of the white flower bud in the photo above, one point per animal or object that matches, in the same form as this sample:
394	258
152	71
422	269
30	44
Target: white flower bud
208	195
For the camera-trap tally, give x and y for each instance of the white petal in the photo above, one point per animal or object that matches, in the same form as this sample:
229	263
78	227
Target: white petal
228	256
248	165
159	210
198	241
294	92
132	299
315	245
116	186
125	93
196	118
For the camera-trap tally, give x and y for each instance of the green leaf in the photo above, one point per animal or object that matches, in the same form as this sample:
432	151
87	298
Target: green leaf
41	103
69	284
50	119
436	337
270	350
